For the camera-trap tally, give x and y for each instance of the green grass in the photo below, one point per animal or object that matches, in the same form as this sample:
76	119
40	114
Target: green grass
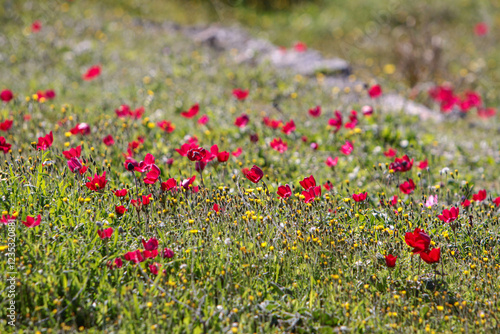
261	265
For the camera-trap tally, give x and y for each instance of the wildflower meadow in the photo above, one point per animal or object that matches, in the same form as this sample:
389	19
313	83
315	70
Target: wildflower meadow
150	183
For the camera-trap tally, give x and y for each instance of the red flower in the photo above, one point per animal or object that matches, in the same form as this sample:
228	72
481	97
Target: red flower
300	47
6	125
74	165
73	152
203	120
402	164
480	196
347	148
497	201
240	94
254	174
486	112
97	183
105	233
50	94
120	210
82	128
449	216
167	253
108	140
284	191
407	187
359	197
390	260
423	164
154	268
147	164
311	194
481	29
445	96
6	95
288	127
118	263
390	153
308	182
134	257
120	193
272	123
353	120
197	154
4	146
151	244
279	145
169	184
36	26
31	222
466	203
45	142
7	219
418	239
337	121
188	182
166	126
92	73
242	121
238	152
223	156
375	91
431	256
183	151
254	138
331	162
152	176
191	112
315	112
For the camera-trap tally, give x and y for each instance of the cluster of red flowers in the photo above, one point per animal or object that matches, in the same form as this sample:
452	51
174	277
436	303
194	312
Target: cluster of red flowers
449	101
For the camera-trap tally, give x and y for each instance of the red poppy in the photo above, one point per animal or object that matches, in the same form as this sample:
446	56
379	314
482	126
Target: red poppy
315	112
353	120
167	253
120	210
238	152
154	268
288	127
240	94
486	112
497	201
390	260
4	146
188	182
407	187
6	125
147	164
92	73
6	95
481	29
105	233
152	176
7	219
311	194
359	197
223	156
445	96
418	239
308	182
375	91
423	164
284	191
197	154
120	192
97	183
36	26
331	162
272	123
45	142
185	148
73	152
390	153
402	164
480	196
300	47
134	257
108	140
465	203
193	111
150	254
31	222
166	126
449	216
328	185
242	121
254	174
170	184
470	100
347	148
203	120
50	94
74	165
118	263
82	128
279	145
151	244
431	256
